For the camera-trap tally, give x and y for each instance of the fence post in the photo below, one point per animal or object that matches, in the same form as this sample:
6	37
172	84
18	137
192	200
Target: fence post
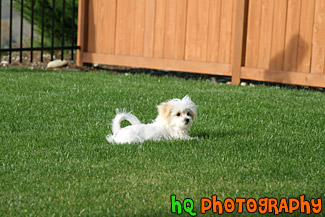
81	31
239	39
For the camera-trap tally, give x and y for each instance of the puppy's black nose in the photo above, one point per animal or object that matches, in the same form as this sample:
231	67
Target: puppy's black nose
187	120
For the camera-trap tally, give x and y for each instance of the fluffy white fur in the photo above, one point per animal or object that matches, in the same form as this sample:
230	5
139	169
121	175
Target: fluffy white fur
174	120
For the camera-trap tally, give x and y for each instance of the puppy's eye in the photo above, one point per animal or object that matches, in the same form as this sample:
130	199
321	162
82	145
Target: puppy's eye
188	114
178	114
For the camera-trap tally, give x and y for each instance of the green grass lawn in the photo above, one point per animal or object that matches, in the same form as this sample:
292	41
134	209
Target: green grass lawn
54	160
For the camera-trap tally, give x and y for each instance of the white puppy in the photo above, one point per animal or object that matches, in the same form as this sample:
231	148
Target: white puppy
174	120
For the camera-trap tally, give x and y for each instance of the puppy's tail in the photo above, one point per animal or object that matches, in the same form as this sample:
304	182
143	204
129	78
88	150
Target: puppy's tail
121	116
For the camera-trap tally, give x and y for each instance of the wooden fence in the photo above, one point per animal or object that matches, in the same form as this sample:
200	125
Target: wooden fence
267	40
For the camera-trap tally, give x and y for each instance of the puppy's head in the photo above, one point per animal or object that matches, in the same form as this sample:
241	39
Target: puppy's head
178	113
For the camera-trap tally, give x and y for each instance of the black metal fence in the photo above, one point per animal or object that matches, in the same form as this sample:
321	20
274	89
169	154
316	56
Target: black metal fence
71	46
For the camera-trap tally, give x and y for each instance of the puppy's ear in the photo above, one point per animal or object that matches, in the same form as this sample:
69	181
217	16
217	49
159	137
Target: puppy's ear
164	110
187	97
193	115
190	104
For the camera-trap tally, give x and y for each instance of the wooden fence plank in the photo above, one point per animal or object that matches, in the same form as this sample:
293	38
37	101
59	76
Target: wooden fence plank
265	43
225	34
278	34
125	27
160	63
214	30
318	56
305	35
139	24
292	35
149	31
180	34
237	61
191	30
253	33
82	30
107	17
159	28
197	30
92	44
202	33
170	29
233	29
285	77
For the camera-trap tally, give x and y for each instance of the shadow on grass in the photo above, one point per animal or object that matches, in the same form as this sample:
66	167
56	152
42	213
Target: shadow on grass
209	134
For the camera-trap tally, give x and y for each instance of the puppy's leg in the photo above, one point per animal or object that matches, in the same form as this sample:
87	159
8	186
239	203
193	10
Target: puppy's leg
138	139
110	138
194	138
187	137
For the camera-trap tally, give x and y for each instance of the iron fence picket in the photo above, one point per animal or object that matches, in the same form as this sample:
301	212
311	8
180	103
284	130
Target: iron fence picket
21	30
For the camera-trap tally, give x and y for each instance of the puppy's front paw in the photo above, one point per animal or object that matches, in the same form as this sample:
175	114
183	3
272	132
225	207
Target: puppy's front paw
194	138
191	138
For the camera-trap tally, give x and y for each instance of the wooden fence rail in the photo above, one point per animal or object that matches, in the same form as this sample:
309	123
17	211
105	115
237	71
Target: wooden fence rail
266	40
